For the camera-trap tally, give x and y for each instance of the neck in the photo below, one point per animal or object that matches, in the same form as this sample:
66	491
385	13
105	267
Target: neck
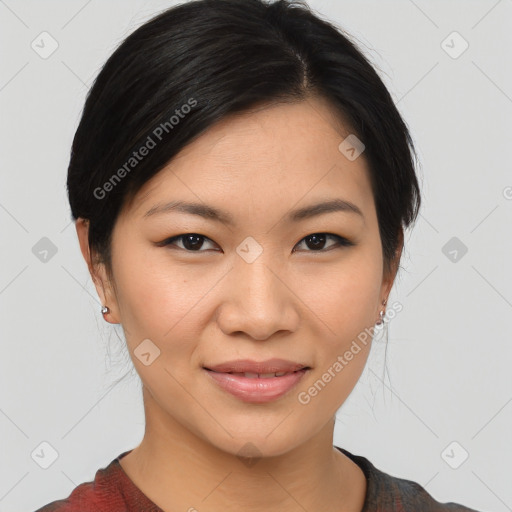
179	470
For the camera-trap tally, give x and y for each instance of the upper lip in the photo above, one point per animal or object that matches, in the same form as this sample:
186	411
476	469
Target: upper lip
249	366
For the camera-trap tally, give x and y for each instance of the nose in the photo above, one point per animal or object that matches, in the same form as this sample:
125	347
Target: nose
258	300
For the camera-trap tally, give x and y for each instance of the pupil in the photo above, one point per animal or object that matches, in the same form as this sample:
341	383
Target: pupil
318	241
196	242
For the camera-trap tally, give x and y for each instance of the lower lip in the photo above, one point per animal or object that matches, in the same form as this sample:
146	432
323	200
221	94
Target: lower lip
257	390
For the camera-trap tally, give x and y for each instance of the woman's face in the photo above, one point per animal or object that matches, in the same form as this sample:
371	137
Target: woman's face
257	288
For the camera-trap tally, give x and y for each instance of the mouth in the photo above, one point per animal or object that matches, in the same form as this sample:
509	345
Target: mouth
252	375
270	367
248	385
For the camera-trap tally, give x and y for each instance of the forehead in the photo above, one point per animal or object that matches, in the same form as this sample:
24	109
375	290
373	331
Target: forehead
269	158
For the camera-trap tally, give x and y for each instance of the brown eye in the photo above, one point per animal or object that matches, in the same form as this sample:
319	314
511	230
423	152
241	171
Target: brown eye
191	242
316	242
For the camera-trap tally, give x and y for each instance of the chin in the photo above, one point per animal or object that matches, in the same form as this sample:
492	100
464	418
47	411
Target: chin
257	445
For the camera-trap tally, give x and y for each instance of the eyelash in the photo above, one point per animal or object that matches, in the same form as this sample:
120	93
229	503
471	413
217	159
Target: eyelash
342	242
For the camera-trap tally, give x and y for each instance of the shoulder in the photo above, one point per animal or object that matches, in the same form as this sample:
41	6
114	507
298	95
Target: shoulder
83	498
390	493
410	495
103	494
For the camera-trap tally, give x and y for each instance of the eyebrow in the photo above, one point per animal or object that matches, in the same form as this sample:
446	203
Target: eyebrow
212	213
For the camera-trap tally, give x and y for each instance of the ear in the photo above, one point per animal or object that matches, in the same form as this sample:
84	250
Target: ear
390	274
100	278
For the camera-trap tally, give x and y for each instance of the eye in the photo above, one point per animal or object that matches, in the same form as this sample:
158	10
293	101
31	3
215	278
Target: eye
191	241
316	241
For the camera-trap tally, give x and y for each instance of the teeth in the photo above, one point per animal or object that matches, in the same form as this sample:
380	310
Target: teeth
259	375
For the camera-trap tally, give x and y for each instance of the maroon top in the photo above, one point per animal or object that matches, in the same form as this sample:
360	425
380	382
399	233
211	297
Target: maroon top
113	491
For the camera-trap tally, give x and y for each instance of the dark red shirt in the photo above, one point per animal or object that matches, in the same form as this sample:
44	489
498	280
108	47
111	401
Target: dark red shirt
113	491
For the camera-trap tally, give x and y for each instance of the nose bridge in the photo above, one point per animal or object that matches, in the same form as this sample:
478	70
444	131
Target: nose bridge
259	303
255	269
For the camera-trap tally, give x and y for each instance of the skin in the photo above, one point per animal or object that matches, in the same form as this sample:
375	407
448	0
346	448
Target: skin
209	305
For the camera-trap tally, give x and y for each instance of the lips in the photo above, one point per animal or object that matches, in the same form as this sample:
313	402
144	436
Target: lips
258	369
256	390
250	375
257	381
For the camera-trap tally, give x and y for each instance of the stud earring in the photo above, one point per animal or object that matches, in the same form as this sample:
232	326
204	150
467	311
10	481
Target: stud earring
105	310
381	314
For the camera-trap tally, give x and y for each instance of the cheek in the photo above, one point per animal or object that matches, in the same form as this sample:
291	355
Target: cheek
163	301
345	302
155	300
343	296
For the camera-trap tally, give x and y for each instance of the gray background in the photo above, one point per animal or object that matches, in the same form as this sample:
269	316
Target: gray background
449	350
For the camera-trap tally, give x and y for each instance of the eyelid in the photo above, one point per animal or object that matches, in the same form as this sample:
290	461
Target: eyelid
169	241
341	241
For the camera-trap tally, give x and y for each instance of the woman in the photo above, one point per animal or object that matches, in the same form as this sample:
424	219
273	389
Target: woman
241	182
